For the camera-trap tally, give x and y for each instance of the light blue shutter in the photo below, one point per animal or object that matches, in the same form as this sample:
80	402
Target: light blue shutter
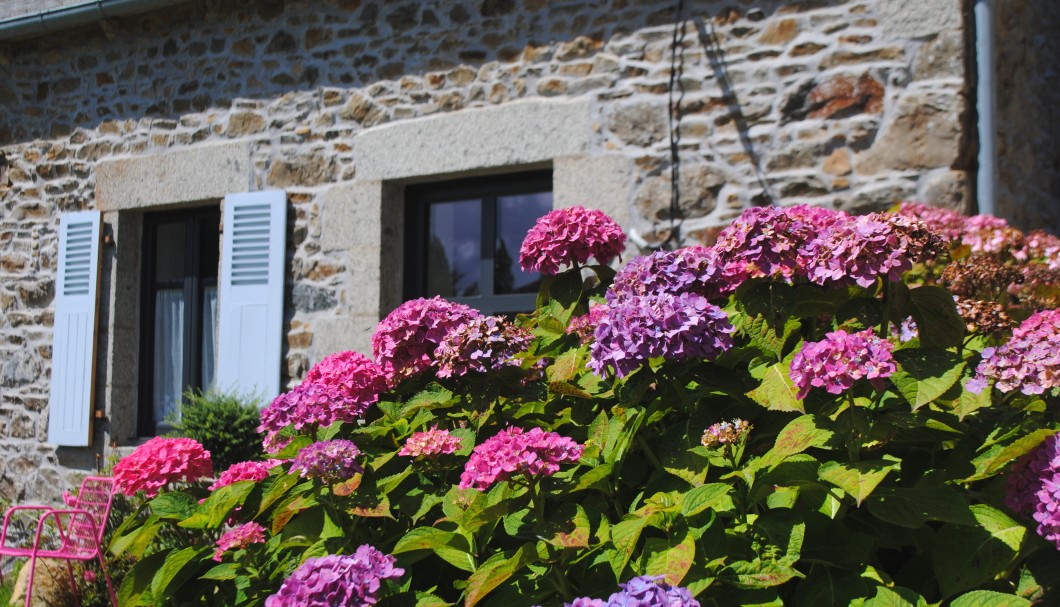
74	332
250	293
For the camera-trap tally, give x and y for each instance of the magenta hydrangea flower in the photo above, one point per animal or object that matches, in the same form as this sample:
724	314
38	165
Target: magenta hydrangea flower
571	236
1034	488
430	443
771	242
513	452
687	270
840	359
583	326
641	327
405	341
239	538
159	462
346	580
480	345
1029	362
308	405
245	471
331	461
861	249
651	591
355	374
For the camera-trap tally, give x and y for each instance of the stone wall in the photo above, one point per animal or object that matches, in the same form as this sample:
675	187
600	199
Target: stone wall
850	103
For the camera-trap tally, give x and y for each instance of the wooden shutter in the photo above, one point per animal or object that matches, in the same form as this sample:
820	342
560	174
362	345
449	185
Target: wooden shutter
250	293
74	334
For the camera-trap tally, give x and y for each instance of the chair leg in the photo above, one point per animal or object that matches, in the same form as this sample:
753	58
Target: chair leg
74	586
106	577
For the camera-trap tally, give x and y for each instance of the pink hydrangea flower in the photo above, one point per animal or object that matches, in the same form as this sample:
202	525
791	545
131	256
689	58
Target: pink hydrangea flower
358	376
430	443
239	538
481	344
1043	247
405	341
989	234
840	359
1034	488
69	499
1029	362
950	224
159	462
583	326
513	452
331	461
347	580
571	236
245	471
308	405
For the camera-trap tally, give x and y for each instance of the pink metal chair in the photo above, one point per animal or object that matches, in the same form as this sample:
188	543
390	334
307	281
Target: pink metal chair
78	531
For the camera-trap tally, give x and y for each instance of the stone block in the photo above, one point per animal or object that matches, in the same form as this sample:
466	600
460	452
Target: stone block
918	18
333	334
366	275
513	134
596	182
942	57
923	133
946	188
350	215
200	173
699	187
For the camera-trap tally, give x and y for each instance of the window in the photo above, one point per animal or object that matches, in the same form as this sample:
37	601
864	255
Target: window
463	240
178	311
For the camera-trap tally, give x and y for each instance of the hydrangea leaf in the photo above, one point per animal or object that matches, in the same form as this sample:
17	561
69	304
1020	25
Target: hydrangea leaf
450	547
136	542
886	597
812	300
215	509
777	392
135	589
989	598
570	527
925	374
179	567
173	505
911	507
858	479
967	556
772	301
671	557
937	320
998	456
624	536
496	571
800	434
830	586
713	496
759	574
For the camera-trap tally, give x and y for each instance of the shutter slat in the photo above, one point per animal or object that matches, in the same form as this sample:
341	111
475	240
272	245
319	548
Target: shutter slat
250	293
74	330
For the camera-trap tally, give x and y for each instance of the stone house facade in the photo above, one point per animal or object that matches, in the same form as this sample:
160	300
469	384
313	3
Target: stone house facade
344	109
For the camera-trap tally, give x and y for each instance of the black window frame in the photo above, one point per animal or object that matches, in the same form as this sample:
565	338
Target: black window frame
418	200
196	221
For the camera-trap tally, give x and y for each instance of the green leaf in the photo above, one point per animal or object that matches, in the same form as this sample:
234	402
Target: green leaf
223	571
911	507
998	456
431	397
969	402
179	567
812	301
926	374
571	530
759	574
624	536
773	301
800	434
593	478
937	321
989	598
136	542
173	505
564	367
777	392
965	557
496	571
859	480
135	589
830	586
714	496
885	597
216	508
671	556
450	547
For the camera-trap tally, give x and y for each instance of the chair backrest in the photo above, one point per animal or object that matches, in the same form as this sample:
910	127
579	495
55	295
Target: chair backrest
95	497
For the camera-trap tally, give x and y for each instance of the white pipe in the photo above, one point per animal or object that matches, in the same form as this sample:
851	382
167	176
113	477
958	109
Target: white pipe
985	94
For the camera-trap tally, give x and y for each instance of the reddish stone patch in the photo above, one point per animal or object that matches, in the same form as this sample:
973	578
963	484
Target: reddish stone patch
841	93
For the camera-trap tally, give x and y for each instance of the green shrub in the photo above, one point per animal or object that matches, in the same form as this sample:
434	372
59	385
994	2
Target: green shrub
226	424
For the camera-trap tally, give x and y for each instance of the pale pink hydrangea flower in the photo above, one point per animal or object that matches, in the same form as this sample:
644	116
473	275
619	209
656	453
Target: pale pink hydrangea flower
1043	247
583	326
480	345
430	443
159	462
513	452
571	236
723	434
239	538
839	360
405	341
245	471
989	234
1029	362
337	580
950	224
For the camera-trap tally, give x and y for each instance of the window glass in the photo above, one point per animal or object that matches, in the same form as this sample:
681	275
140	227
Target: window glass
169	251
454	248
515	216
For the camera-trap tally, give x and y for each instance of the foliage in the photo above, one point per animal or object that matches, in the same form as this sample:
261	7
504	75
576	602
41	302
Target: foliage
224	423
706	469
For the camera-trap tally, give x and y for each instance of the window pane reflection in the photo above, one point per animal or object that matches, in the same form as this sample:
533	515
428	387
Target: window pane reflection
515	216
454	248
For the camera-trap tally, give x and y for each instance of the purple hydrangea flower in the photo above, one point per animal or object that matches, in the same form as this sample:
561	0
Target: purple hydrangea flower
586	602
405	341
512	452
570	235
480	344
331	461
651	591
346	580
1034	488
308	405
1029	362
691	269
676	327
839	360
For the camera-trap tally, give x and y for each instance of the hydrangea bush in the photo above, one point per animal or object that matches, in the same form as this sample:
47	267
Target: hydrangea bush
820	409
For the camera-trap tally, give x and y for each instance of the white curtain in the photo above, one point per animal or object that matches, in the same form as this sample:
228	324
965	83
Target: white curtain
209	336
169	354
